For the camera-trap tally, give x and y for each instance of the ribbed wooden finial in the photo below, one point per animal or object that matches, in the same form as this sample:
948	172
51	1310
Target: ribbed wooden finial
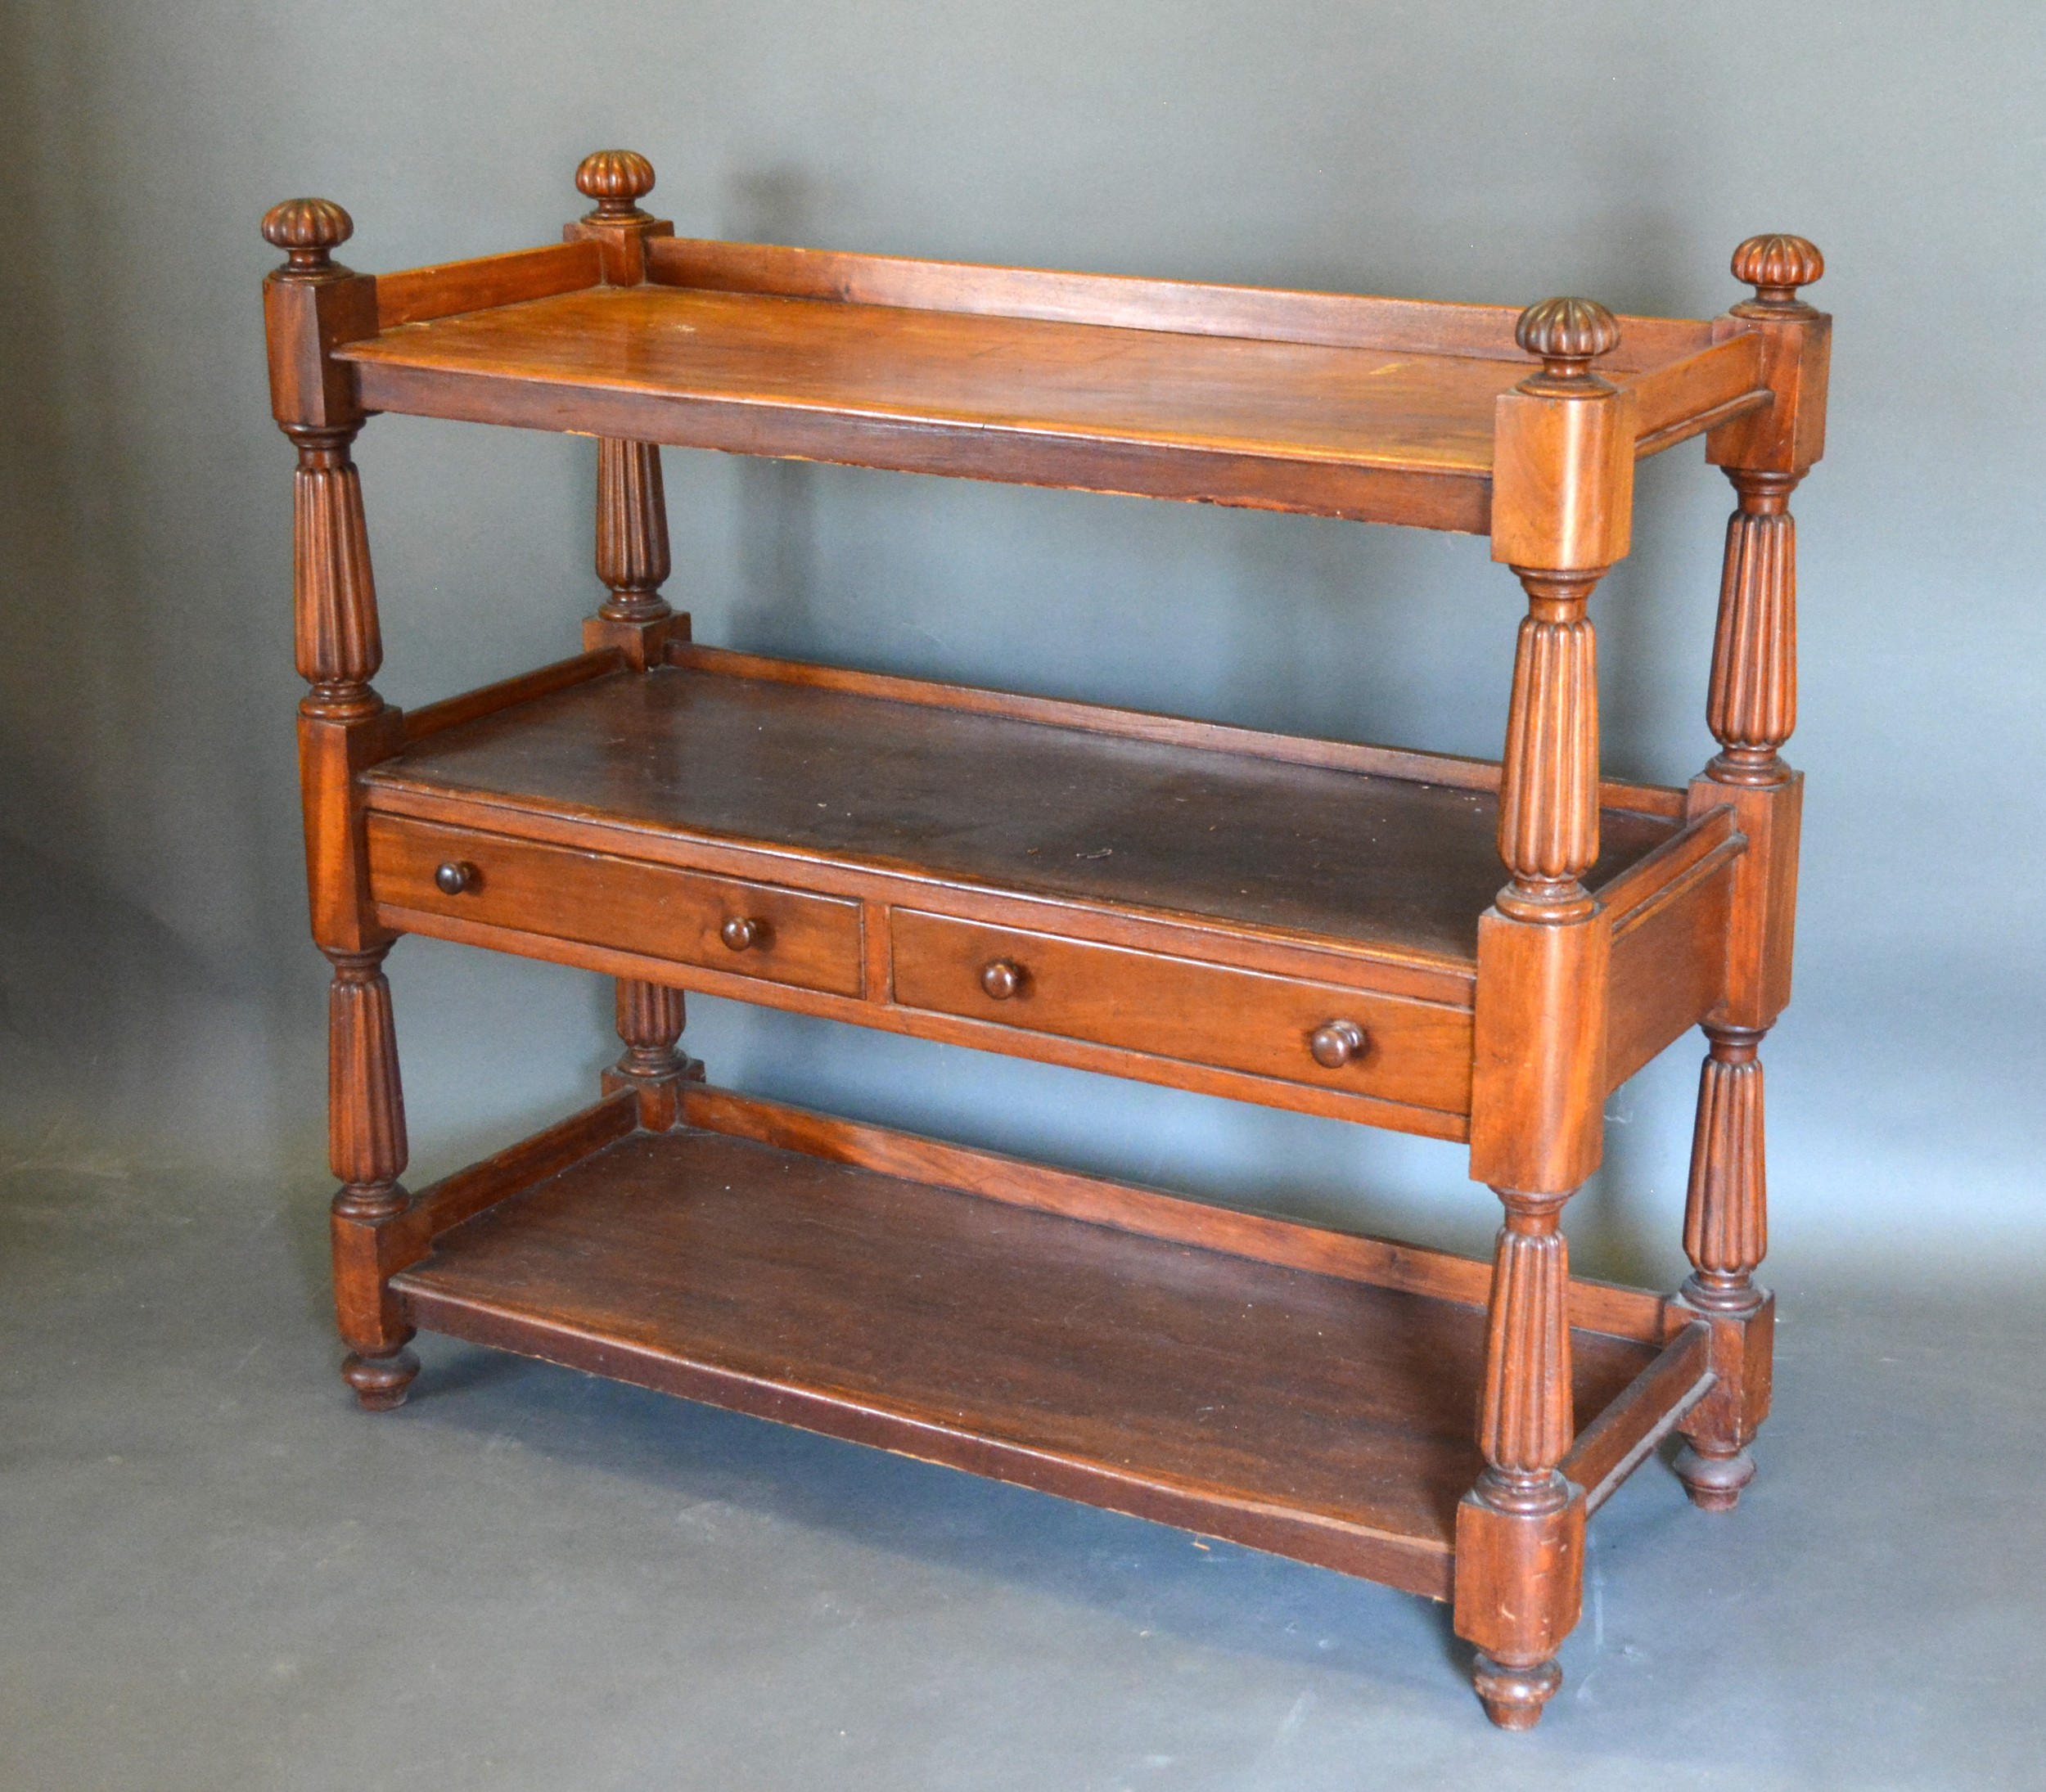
1568	334
615	179
308	230
1776	266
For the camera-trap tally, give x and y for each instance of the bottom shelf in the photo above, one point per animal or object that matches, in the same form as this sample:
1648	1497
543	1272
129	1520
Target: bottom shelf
1125	1348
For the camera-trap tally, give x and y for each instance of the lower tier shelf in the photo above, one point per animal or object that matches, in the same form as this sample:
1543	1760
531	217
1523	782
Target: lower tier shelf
1295	1390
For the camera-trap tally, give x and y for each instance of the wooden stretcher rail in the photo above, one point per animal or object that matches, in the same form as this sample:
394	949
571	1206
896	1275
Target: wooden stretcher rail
1683	398
1620	1439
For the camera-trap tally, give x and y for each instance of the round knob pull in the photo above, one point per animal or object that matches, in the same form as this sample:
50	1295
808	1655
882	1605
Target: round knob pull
1001	979
455	877
1336	1044
741	934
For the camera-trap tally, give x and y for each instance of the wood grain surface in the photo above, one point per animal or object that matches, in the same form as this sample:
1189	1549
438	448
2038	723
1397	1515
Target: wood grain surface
1317	1417
790	936
1183	306
1417	1053
1003	805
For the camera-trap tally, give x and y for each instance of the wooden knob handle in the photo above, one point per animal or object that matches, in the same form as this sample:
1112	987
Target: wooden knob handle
1001	979
1776	266
1336	1043
455	877
741	934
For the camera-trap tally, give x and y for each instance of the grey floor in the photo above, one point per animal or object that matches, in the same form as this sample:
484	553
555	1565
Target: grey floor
215	1573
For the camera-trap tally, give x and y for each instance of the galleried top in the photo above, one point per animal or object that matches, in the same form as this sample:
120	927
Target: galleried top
1383	410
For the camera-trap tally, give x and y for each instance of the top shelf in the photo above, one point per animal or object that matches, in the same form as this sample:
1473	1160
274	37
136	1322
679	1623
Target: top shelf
1380	410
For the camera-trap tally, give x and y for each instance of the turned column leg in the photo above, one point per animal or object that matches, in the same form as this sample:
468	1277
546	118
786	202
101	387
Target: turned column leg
1548	783
632	530
1726	1236
1562	498
1520	1530
1752	705
1752	710
632	558
650	1019
312	305
366	1141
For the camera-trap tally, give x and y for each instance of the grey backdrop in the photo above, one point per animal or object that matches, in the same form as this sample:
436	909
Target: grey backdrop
159	1001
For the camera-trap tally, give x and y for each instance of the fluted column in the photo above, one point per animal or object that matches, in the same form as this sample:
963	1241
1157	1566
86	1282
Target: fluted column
1548	790
1520	1530
650	1020
1525	1425
1726	1236
1726	1217
632	530
339	646
311	306
1751	706
367	1149
1562	501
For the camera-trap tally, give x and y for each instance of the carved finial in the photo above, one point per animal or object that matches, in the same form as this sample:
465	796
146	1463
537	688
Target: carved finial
307	230
1776	266
615	179
1568	334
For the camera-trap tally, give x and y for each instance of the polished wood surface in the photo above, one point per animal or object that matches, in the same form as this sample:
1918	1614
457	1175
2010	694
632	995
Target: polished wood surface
1594	1306
1468	950
1173	307
1326	1416
938	369
748	929
421	294
1453	770
1397	434
1060	813
1417	1053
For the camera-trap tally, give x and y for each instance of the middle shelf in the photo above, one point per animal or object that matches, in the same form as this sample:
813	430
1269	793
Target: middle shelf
1191	903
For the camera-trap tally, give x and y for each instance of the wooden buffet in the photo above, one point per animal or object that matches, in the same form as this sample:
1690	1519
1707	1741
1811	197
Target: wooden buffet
1303	923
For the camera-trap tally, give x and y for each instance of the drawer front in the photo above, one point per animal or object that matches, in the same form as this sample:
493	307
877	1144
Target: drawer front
1415	1053
723	923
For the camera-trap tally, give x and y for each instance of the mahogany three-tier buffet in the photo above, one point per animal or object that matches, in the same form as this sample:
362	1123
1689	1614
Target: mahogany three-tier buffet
1473	950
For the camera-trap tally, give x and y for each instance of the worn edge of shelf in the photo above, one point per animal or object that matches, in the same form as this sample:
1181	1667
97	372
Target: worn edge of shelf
1412	1564
1455	501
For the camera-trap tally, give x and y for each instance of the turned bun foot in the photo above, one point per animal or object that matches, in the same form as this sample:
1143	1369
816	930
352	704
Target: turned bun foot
1513	1697
380	1383
1714	1482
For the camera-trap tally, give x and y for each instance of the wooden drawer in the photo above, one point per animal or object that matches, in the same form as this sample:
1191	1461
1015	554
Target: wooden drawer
812	941
1415	1053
